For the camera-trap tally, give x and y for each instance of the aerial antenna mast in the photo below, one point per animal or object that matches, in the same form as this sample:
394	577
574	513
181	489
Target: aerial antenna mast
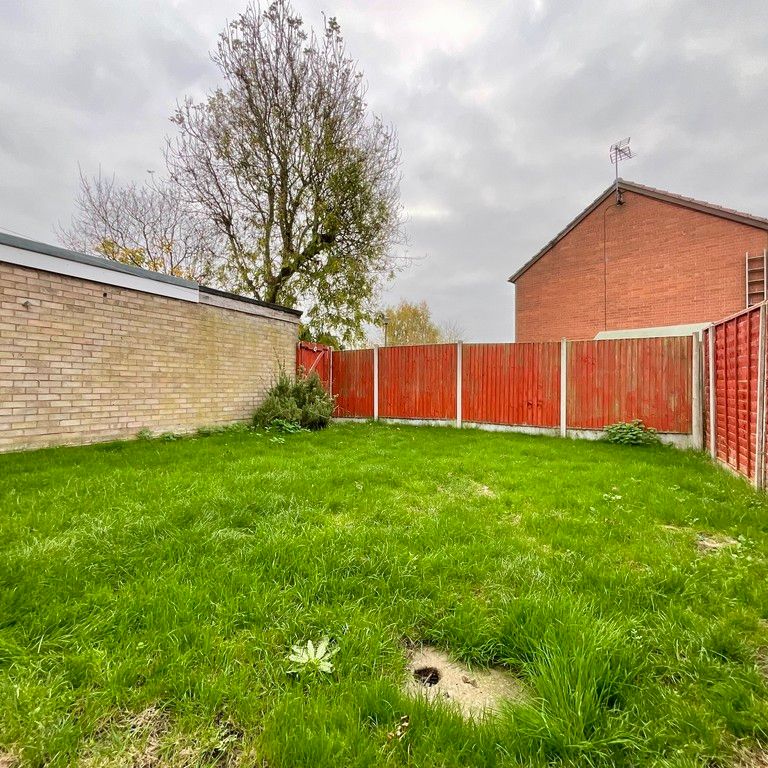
618	152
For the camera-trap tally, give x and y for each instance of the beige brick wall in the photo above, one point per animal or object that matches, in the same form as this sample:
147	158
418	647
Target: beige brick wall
82	362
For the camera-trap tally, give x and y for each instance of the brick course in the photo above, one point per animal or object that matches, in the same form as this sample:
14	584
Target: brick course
82	362
643	264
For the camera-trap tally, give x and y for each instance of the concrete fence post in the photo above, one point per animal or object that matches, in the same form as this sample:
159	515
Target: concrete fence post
563	387
376	383
712	383
459	365
697	384
759	479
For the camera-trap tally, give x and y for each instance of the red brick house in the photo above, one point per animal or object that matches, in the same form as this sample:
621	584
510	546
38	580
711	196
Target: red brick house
647	260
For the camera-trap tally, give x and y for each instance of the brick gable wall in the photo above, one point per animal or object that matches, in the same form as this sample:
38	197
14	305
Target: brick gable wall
646	263
82	362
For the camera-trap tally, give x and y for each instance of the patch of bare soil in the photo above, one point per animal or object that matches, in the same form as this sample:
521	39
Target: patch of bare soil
7	760
435	676
134	740
752	758
483	490
146	740
710	544
762	661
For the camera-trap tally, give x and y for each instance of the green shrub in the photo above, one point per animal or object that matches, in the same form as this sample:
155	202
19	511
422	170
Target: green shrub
301	402
631	433
279	404
315	403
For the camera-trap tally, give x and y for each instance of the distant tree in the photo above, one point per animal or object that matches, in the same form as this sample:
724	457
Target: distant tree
145	225
410	323
297	176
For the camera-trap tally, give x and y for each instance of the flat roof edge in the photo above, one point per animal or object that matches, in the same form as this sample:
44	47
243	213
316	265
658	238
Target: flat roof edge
250	300
100	262
92	261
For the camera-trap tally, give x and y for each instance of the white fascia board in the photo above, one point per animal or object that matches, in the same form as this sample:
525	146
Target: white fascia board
62	266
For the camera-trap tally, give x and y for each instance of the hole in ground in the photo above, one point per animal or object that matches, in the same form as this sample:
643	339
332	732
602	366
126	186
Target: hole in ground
427	676
434	676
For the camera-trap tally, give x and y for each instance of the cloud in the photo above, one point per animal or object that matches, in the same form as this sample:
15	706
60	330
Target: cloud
505	113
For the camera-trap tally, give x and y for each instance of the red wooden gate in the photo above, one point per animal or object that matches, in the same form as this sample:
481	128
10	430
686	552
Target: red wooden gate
314	358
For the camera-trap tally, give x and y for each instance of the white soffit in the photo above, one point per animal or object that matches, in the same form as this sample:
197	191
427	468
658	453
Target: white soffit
650	333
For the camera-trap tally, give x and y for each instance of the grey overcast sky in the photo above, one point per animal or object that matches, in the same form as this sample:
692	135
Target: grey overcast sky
505	113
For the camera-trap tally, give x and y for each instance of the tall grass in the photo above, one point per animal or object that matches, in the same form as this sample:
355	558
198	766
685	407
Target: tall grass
173	578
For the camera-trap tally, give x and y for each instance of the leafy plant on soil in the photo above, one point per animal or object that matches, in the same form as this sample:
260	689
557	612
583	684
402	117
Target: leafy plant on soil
631	433
287	427
312	658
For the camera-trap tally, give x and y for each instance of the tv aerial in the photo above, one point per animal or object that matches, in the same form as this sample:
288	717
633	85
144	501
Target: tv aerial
618	152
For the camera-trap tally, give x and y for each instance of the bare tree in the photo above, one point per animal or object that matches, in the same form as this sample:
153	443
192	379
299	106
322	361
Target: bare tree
451	330
299	179
145	225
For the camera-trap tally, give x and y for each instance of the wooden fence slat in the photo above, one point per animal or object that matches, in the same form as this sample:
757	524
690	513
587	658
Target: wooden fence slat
519	384
606	381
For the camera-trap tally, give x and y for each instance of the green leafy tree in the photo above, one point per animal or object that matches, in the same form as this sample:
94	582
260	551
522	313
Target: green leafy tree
287	162
308	334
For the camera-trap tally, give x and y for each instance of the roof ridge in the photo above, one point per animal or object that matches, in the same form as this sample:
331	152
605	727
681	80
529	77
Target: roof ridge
658	194
697	201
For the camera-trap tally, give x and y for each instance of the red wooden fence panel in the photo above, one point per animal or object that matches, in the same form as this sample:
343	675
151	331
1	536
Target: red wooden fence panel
519	384
352	383
418	382
622	379
515	384
314	357
736	370
705	388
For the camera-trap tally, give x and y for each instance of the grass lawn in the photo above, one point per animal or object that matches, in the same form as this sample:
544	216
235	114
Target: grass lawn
150	593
